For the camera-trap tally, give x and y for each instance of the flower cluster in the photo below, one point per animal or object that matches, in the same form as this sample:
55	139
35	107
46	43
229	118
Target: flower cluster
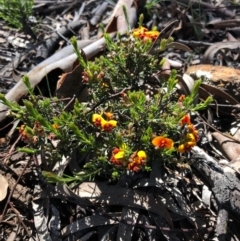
144	34
190	136
135	162
106	125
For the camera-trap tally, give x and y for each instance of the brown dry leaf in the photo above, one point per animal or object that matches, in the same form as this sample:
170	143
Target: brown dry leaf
70	84
223	23
3	187
105	194
219	95
230	148
214	48
233	166
118	22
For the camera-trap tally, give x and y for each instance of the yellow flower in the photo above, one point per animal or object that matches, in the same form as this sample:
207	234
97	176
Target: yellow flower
97	119
144	34
152	35
161	142
192	129
137	160
190	137
186	147
108	125
138	32
142	155
119	155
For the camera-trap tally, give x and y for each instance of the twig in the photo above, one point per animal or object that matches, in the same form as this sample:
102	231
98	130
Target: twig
19	218
11	149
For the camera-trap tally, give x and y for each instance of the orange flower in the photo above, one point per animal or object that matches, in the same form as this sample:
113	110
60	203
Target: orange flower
109	115
108	125
97	119
181	98
161	142
117	157
152	35
138	159
186	120
139	32
144	34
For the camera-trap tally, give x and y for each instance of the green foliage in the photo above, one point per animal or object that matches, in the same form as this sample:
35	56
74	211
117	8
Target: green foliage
129	118
15	12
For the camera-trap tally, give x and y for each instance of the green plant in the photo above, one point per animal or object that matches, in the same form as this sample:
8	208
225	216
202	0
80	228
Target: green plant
16	12
132	116
151	4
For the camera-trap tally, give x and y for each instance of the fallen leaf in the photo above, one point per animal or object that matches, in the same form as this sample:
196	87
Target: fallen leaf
3	187
229	147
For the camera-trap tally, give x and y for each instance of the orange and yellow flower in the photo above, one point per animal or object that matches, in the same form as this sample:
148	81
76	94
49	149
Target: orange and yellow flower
117	157
161	142
192	129
186	147
144	34
97	119
190	141
137	160
108	125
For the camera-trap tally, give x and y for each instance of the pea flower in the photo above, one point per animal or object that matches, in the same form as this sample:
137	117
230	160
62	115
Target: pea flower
186	120
189	142
186	147
144	34
152	35
192	129
139	32
97	119
161	142
108	125
138	159
117	157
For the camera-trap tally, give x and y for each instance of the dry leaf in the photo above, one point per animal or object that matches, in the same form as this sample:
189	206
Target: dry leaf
118	21
3	187
230	148
70	84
